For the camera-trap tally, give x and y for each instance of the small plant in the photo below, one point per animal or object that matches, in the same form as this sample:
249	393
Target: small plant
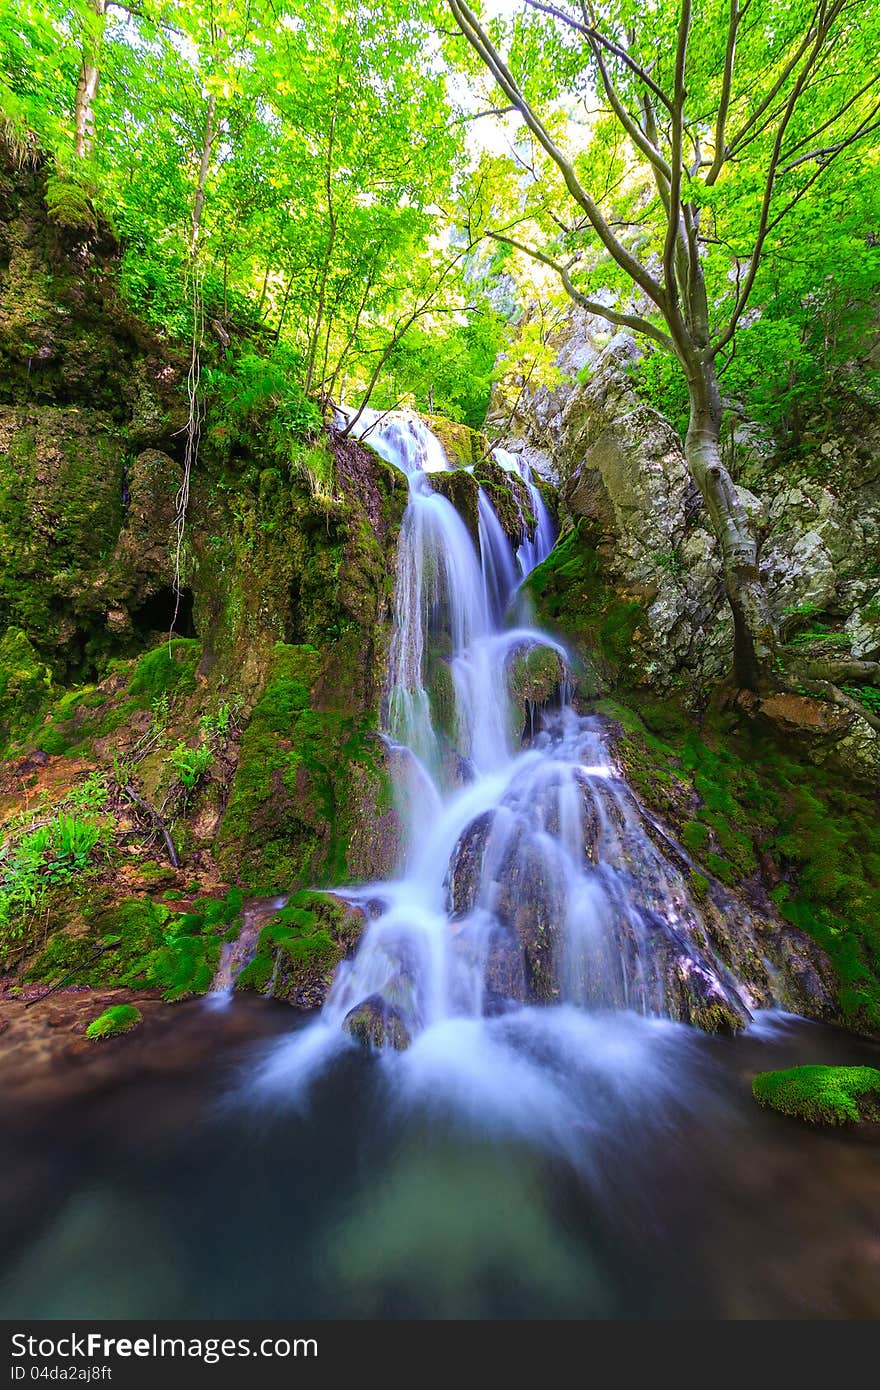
218	723
119	1018
44	857
867	695
669	560
90	794
190	764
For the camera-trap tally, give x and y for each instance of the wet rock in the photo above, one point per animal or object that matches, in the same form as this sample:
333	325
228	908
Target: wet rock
460	488
377	1024
695	994
536	675
464	877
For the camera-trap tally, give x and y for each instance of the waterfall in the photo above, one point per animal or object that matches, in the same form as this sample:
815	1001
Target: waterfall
535	549
532	875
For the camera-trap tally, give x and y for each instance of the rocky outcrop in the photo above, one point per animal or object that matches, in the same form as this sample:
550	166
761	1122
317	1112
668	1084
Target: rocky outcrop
621	468
644	539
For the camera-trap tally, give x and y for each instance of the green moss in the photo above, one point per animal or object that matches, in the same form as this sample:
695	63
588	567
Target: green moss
299	948
821	1095
695	836
119	1018
295	794
535	675
153	947
87	713
170	668
571	597
462	445
25	683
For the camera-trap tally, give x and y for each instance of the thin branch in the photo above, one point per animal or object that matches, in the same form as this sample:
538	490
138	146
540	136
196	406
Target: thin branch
673	229
592	32
764	224
726	84
789	68
483	45
592	306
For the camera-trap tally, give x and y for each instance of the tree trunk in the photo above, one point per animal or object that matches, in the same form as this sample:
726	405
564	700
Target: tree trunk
754	632
87	82
201	182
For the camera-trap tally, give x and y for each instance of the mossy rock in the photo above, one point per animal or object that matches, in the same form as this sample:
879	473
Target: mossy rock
119	1018
571	597
754	814
375	1023
462	445
311	801
460	488
535	675
300	947
510	498
25	683
821	1095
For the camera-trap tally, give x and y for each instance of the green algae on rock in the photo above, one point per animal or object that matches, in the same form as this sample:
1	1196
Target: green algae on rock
119	1018
821	1095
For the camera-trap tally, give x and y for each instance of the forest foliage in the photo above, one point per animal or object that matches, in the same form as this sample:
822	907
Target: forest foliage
324	183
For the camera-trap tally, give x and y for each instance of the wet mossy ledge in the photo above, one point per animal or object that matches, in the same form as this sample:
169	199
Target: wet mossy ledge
794	841
300	947
822	1095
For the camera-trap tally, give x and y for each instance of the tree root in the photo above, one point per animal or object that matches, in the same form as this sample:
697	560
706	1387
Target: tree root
826	690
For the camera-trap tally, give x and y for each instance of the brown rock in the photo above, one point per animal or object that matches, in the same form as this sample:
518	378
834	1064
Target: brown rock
800	715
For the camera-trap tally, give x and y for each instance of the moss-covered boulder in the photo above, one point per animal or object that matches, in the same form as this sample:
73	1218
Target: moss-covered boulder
821	1095
375	1023
536	674
790	843
299	948
119	1018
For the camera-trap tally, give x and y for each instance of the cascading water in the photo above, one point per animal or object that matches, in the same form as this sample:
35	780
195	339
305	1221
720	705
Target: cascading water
532	548
533	876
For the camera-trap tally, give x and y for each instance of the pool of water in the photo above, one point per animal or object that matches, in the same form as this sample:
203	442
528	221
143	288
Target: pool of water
635	1178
